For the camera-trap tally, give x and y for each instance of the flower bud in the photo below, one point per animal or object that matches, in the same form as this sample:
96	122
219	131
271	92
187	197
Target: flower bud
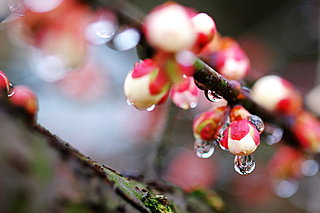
24	97
4	82
307	130
205	28
169	28
146	85
228	59
276	94
207	125
238	113
241	138
185	94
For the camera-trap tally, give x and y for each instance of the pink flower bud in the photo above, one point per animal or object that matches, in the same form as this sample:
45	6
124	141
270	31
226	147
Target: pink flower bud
24	97
228	59
307	130
207	125
241	138
185	94
4	82
169	28
146	85
205	28
238	113
276	94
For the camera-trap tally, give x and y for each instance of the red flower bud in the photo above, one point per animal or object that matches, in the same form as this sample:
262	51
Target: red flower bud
24	97
276	94
307	130
169	28
4	82
238	113
241	138
185	94
207	125
146	85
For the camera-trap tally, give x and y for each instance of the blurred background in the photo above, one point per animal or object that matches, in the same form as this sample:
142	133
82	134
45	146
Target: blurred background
84	104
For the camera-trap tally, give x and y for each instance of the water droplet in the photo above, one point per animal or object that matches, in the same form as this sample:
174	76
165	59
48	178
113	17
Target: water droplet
11	90
17	7
273	134
212	96
100	32
223	148
257	122
129	103
309	168
184	76
244	165
151	108
203	149
286	188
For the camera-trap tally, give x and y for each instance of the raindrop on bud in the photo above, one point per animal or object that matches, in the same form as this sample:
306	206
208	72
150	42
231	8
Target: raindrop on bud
203	149
286	188
244	165
212	96
11	90
151	108
257	122
17	7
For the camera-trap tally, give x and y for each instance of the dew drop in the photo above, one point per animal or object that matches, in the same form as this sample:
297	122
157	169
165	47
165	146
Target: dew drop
309	168
11	90
286	188
129	103
151	108
257	122
244	165
203	149
100	32
125	39
212	96
17	7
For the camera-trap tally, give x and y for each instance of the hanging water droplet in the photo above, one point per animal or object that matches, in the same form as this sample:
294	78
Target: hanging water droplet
272	134
286	188
151	108
257	122
203	149
129	103
17	7
212	96
244	165
309	168
125	39
11	90
101	32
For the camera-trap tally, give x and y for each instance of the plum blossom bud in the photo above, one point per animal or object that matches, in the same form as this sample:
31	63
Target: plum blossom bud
276	94
207	125
228	59
169	28
185	94
238	112
205	28
4	82
307	130
24	97
146	85
241	138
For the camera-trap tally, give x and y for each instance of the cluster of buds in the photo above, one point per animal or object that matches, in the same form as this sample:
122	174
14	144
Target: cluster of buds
20	96
176	33
277	95
235	130
227	57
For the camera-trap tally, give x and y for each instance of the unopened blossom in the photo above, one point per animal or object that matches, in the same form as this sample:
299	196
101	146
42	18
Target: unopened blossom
24	97
185	94
277	94
241	138
208	124
146	85
228	58
168	27
4	82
